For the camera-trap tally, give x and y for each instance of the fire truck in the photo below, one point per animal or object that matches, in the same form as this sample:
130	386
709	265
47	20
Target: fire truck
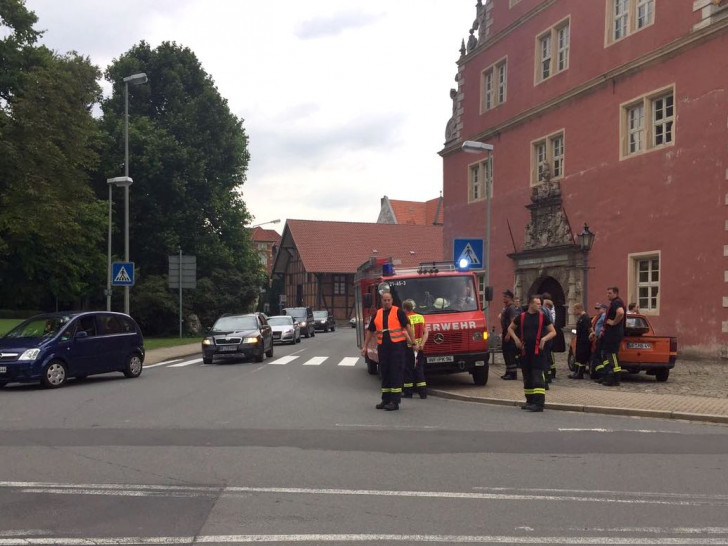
445	296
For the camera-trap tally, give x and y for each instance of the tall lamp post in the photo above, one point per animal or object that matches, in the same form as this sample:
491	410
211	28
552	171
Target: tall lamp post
276	221
475	147
586	241
134	79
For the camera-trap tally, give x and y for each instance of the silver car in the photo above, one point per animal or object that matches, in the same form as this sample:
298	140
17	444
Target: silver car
285	329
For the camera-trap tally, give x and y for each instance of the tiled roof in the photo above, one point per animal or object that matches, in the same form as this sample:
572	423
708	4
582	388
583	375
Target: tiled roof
415	212
261	235
341	247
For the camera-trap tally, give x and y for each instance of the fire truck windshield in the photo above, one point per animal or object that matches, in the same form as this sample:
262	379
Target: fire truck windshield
435	295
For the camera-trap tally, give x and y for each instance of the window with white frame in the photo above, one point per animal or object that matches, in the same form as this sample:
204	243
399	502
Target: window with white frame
629	16
548	157
648	122
480	178
645	281
494	85
339	285
552	51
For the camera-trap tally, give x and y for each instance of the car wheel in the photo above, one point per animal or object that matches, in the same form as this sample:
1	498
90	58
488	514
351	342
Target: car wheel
298	339
662	375
333	328
480	375
571	361
133	366
206	360
260	357
313	333
269	353
54	375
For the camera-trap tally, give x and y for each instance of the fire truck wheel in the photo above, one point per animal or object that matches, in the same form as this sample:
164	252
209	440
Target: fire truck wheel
480	375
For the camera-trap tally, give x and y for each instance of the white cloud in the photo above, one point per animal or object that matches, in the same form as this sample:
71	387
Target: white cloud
342	104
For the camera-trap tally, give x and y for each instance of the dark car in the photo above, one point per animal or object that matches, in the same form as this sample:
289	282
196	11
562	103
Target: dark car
304	317
52	347
239	336
324	321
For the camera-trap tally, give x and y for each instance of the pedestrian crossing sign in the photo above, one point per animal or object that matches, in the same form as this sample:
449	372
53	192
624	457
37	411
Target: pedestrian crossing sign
470	250
122	274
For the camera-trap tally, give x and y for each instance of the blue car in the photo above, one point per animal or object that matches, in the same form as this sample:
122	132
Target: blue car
52	347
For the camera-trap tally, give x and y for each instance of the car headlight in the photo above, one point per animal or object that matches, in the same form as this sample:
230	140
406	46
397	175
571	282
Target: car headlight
251	340
208	341
303	323
30	354
289	331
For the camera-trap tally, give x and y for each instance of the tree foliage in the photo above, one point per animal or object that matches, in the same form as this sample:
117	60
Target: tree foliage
51	224
188	158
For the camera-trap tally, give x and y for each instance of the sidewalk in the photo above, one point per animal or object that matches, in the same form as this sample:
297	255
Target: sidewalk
697	390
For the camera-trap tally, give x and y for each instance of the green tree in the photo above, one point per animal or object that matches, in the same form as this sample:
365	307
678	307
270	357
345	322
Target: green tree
188	159
51	224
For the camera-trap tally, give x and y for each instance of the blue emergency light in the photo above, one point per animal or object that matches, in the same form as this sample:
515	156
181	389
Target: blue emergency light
387	269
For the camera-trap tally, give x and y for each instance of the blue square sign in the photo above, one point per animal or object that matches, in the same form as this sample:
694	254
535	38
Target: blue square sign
470	250
122	274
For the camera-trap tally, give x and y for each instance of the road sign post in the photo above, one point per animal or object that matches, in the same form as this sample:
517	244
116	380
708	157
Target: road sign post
122	274
182	274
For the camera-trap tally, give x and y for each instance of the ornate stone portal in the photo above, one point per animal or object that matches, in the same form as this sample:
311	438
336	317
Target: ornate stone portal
550	259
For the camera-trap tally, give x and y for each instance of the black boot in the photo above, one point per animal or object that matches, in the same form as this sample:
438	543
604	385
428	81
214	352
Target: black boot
509	376
578	374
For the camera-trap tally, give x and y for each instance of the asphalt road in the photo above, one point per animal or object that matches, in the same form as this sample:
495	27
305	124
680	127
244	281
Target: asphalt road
292	450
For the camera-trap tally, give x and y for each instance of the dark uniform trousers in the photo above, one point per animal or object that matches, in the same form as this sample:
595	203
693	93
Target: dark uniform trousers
510	356
391	368
414	372
534	382
610	347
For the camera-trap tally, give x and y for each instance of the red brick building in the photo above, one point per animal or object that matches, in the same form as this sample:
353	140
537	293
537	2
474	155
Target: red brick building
610	112
265	242
318	259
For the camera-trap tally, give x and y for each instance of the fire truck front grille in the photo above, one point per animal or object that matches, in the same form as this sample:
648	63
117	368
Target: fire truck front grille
447	342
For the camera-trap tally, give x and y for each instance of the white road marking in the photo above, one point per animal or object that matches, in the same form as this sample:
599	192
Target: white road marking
284	360
161	363
315	361
186	363
320	538
624	497
641	430
349	361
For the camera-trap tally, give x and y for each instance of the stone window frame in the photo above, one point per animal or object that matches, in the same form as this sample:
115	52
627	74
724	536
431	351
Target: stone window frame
494	85
550	149
648	303
549	50
636	140
480	177
632	16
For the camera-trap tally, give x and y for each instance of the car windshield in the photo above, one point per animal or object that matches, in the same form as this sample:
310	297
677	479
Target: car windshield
298	313
280	321
232	324
320	314
39	327
441	294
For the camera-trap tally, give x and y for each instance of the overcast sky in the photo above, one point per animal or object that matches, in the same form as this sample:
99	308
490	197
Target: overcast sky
344	102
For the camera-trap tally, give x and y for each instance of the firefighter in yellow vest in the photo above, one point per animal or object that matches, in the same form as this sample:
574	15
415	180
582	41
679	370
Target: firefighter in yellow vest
393	331
414	370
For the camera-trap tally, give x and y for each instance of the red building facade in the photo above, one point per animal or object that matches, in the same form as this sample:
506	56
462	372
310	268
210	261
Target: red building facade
607	112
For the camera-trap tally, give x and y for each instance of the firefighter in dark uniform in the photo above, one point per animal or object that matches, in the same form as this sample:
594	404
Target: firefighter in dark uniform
582	354
414	368
531	331
613	333
393	331
510	351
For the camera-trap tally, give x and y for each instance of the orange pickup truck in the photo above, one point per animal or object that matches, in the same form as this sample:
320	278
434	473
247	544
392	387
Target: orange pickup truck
640	349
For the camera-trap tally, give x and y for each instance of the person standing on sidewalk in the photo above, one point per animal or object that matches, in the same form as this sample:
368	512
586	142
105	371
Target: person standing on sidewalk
548	307
613	334
393	331
510	351
414	367
583	342
527	331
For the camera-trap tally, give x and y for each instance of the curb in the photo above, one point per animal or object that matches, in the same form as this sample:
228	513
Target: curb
604	410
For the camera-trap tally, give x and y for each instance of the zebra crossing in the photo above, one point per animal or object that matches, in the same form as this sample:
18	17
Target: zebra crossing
347	362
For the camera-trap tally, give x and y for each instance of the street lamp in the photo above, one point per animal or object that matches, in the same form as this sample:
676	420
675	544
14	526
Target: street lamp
276	221
134	79
586	241
475	147
123	181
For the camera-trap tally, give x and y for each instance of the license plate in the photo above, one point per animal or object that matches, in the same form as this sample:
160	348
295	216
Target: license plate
639	346
228	348
439	359
3	369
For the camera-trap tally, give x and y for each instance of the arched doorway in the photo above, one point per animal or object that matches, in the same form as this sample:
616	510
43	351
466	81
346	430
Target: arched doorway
552	287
